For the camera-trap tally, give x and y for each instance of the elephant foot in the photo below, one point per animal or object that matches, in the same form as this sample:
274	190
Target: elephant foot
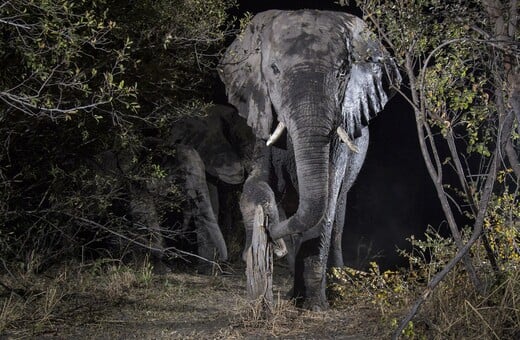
309	285
316	306
312	304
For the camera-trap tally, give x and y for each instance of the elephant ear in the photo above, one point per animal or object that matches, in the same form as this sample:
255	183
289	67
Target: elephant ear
372	72
241	72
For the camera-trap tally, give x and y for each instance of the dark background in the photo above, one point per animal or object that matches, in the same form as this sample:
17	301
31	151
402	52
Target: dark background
393	196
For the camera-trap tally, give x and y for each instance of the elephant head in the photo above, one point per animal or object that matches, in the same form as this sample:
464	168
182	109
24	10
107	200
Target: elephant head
211	136
322	76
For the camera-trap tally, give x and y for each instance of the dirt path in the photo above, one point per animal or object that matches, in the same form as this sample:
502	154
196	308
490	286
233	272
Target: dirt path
191	306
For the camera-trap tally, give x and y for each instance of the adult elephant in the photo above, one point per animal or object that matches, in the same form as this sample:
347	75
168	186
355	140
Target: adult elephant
321	76
209	150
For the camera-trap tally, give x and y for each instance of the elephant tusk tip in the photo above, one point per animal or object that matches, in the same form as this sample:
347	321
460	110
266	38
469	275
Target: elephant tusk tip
346	139
276	134
353	148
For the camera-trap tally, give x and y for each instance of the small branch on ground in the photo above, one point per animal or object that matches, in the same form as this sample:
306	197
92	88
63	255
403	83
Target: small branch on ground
259	259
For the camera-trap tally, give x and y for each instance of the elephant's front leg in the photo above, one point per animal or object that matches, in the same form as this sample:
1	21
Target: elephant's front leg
336	247
312	257
354	164
309	274
209	235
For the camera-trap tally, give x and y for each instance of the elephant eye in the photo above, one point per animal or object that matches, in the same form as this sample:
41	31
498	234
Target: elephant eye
275	68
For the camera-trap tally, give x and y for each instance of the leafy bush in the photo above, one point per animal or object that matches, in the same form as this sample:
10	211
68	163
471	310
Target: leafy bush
454	310
85	89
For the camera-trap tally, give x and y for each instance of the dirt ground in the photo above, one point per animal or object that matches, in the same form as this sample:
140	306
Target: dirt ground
192	306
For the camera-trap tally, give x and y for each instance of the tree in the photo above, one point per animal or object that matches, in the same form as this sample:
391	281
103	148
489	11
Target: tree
462	64
80	78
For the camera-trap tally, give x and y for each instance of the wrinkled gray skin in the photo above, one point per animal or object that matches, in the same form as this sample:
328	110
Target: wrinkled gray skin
314	71
215	137
200	209
204	147
207	153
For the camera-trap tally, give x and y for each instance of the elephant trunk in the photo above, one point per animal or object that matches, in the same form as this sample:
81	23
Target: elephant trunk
309	132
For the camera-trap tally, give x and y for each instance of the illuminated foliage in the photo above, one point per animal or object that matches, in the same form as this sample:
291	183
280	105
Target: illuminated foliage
461	61
84	85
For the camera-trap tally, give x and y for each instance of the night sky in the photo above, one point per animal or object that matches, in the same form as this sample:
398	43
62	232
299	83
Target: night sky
393	196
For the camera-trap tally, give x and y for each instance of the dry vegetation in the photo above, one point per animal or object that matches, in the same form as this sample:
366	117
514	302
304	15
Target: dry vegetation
108	300
455	310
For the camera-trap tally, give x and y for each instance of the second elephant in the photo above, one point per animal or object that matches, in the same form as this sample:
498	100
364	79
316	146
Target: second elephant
209	151
206	152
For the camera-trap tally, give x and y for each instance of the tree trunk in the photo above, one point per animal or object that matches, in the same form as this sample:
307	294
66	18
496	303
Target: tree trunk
259	260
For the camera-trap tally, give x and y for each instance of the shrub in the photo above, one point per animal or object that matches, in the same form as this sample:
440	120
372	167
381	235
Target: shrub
454	309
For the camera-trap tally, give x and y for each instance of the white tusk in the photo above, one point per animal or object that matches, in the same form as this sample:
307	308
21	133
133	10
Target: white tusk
345	138
276	134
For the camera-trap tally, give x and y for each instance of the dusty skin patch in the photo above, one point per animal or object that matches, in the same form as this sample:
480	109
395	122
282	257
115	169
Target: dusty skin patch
192	306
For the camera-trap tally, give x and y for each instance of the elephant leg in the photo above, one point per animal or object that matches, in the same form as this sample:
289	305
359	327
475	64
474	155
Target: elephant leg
209	235
213	195
354	163
309	278
205	246
310	269
336	249
291	243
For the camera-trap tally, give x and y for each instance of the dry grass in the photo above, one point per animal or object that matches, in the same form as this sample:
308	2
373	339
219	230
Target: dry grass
288	322
456	311
10	312
453	311
107	300
111	300
34	304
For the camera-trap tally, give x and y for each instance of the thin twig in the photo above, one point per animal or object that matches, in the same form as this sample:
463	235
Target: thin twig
98	225
487	191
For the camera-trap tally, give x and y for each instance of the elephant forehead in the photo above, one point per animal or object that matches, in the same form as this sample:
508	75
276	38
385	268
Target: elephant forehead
308	33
